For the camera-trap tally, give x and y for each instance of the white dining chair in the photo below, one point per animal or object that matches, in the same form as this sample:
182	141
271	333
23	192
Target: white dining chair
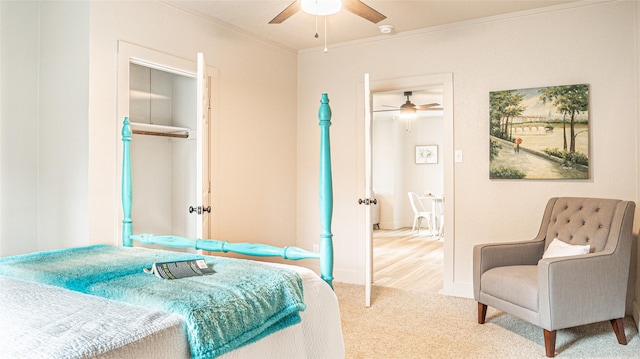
419	212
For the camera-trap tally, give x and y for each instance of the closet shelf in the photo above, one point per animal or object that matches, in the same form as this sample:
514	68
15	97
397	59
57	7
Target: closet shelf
159	130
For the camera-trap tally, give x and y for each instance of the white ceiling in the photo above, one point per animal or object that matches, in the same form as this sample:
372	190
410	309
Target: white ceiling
297	32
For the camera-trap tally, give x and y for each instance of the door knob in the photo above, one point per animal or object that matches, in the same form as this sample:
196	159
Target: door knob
199	209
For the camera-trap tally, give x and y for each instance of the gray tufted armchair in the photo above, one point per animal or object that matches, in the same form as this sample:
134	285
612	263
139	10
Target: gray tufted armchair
567	291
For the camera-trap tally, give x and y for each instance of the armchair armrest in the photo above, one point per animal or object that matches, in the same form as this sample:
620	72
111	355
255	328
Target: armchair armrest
491	255
582	289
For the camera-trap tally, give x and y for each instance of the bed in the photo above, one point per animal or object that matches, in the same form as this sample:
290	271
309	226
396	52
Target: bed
97	301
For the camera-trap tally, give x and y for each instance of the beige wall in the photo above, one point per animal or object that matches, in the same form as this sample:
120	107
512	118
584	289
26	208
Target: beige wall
43	161
593	44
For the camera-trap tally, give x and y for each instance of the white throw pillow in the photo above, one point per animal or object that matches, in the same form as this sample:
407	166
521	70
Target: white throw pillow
558	248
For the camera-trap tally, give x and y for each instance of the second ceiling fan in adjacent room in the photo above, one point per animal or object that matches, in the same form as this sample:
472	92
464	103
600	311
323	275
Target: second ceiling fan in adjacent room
409	108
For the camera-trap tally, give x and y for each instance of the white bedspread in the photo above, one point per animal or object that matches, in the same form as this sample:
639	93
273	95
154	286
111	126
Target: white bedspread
41	321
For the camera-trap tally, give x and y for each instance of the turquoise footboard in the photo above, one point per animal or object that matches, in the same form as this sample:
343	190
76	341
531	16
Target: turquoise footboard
325	255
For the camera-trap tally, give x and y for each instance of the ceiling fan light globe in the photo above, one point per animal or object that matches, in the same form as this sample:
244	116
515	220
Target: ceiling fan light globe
407	111
407	115
321	7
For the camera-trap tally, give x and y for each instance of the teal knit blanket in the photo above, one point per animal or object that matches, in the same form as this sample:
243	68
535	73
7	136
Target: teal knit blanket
241	303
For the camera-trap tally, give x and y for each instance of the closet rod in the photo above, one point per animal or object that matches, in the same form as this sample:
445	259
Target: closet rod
163	134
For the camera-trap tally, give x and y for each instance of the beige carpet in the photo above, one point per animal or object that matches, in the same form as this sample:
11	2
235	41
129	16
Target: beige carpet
406	324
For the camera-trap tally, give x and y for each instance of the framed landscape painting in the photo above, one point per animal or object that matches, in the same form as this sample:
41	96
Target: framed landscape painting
539	133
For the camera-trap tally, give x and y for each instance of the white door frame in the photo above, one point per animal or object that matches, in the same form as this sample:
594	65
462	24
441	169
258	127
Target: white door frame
446	81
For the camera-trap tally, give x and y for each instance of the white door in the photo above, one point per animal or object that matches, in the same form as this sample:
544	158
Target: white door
203	111
368	231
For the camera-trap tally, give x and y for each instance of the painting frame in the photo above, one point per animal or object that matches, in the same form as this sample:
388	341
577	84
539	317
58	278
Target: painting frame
426	154
540	133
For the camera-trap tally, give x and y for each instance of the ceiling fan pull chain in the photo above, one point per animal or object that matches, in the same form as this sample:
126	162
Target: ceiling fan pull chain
325	35
316	36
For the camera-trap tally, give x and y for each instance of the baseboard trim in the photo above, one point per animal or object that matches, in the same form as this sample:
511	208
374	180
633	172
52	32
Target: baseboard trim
347	276
459	289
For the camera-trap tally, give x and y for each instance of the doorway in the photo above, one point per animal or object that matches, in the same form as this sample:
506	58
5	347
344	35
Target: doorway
447	152
403	257
164	162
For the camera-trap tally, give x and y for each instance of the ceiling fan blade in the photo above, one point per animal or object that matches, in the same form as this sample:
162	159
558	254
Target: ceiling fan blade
293	8
363	10
426	106
396	107
393	109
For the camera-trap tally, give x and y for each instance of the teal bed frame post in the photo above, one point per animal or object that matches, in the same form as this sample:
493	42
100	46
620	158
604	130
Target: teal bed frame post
325	255
127	229
325	192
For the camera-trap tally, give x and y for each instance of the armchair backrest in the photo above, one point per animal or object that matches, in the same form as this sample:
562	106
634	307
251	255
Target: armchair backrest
594	221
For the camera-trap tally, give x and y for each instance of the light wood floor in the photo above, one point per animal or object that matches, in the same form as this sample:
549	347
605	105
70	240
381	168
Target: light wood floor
406	261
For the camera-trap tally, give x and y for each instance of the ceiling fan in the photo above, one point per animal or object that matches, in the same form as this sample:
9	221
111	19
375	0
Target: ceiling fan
408	108
355	6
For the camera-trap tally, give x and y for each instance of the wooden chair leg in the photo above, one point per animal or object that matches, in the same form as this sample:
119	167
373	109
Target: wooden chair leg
550	342
618	328
482	313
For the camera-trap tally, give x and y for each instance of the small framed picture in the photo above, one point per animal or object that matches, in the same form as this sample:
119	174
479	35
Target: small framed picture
427	154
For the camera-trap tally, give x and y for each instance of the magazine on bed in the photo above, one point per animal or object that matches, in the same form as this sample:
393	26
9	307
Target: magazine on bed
180	269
